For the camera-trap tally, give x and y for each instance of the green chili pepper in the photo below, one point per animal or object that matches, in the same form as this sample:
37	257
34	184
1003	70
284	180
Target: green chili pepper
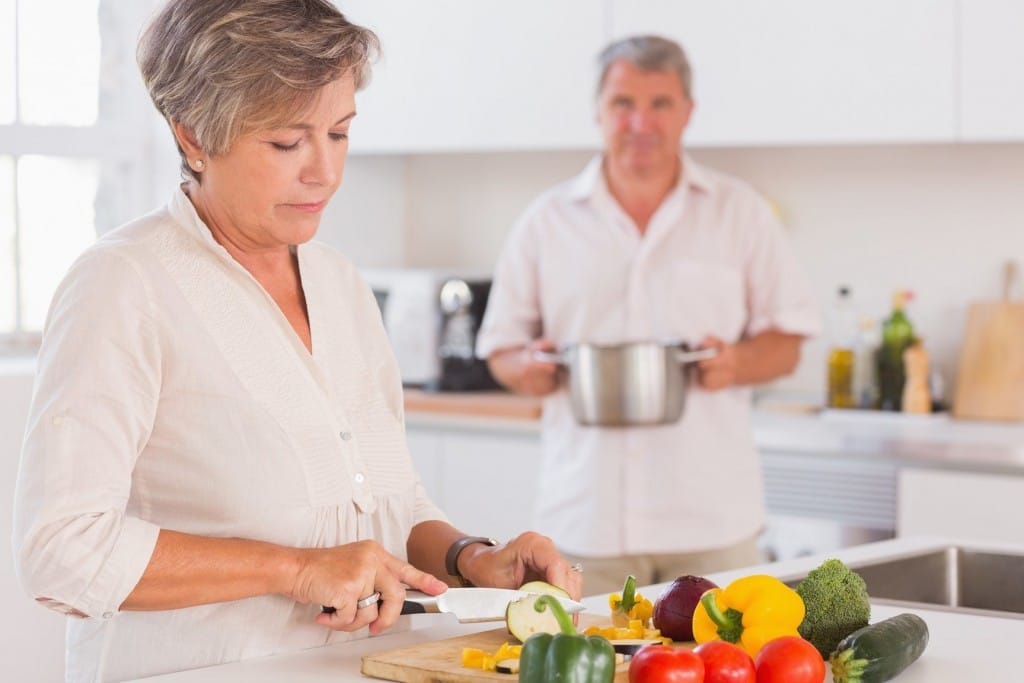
566	657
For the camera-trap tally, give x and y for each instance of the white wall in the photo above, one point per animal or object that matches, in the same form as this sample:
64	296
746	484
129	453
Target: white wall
31	636
938	219
367	216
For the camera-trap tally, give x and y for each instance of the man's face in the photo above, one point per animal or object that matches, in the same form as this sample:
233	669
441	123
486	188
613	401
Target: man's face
642	115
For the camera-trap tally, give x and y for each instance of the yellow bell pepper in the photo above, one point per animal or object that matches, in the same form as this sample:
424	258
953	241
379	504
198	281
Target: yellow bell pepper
749	612
630	605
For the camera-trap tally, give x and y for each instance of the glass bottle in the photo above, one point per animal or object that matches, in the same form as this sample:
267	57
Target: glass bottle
865	388
841	352
897	335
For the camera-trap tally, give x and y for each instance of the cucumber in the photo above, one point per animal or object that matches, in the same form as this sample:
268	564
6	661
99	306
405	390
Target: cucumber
879	652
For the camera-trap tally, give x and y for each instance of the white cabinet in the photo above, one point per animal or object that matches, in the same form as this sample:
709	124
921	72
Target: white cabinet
991	78
983	507
478	74
484	480
805	71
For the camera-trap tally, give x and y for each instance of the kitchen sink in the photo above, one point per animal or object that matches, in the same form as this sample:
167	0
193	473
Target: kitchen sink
952	578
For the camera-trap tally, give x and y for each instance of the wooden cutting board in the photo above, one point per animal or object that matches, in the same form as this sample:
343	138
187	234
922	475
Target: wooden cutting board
990	380
440	661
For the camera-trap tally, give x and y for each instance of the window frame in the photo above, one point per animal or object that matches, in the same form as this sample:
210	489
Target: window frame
129	141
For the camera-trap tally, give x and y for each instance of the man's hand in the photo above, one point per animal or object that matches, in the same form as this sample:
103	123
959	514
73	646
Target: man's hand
518	370
719	372
761	358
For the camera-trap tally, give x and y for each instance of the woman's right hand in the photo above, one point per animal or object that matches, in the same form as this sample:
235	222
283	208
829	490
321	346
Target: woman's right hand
342	575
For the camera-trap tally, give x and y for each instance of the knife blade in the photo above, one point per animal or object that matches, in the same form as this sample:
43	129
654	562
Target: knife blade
470	605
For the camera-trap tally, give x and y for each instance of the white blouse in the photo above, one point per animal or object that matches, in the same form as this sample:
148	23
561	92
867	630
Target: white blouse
713	261
173	393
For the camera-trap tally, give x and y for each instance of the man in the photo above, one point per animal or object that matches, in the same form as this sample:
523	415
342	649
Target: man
646	244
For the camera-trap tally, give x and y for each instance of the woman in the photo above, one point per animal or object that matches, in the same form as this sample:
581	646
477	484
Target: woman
216	446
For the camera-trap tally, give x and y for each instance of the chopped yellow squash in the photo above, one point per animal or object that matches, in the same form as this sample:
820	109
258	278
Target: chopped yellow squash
473	658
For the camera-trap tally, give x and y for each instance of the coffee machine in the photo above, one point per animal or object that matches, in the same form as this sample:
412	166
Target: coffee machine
462	305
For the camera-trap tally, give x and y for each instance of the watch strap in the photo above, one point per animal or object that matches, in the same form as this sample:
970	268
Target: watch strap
451	558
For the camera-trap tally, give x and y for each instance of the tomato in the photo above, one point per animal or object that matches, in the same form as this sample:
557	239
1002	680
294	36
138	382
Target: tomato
789	659
725	663
664	664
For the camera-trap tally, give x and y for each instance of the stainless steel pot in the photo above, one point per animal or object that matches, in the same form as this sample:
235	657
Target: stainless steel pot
625	385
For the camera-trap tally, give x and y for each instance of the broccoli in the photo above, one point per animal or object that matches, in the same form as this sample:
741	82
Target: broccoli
837	604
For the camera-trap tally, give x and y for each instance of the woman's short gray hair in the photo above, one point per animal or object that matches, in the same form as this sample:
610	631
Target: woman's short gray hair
226	67
650	53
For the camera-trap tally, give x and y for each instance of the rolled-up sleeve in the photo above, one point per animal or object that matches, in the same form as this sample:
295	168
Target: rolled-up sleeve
513	316
779	294
97	387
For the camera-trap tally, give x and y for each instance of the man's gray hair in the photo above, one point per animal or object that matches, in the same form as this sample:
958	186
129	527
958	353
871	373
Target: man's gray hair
650	53
227	67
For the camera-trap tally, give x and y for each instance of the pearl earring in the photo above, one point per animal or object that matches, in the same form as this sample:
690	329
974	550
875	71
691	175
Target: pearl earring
199	164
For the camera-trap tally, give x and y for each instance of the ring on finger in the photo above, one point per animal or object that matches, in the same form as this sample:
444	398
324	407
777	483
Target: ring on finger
368	600
578	568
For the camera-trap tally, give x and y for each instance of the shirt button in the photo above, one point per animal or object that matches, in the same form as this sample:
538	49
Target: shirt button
108	615
345	436
360	478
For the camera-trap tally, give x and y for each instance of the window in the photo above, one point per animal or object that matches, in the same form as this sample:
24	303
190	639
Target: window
75	129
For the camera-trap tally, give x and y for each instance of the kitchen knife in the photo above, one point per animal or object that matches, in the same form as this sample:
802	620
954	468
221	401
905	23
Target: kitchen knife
471	604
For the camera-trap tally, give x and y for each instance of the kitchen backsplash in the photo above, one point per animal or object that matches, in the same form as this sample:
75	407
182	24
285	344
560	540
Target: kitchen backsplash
937	219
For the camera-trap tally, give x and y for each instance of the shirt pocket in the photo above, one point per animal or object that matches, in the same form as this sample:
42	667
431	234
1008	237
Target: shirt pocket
707	299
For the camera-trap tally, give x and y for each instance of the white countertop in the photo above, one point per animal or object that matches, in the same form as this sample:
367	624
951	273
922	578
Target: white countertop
960	648
932	441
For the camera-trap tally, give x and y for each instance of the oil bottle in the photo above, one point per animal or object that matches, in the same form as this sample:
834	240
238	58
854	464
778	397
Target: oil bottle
841	352
897	336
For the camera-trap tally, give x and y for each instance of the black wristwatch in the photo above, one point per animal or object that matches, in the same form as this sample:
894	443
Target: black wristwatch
451	558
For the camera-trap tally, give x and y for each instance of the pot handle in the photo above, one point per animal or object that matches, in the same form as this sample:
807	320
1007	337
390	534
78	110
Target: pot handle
549	357
696	355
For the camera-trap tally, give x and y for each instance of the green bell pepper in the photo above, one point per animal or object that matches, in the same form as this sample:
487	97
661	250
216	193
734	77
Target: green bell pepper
566	657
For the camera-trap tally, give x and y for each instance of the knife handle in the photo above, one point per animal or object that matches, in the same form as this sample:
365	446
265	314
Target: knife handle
408	607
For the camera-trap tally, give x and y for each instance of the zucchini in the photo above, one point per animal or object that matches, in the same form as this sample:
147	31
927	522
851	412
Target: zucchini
630	646
507	666
523	620
544	588
879	652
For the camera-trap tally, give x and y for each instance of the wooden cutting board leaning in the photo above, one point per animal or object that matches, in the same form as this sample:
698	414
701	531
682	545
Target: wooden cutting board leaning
440	661
990	380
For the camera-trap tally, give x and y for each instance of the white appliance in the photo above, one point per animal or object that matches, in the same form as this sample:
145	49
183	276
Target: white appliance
409	299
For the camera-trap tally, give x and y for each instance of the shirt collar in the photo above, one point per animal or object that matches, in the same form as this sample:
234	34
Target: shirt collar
591	182
185	215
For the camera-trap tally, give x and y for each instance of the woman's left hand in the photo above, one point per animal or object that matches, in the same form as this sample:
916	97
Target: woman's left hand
527	557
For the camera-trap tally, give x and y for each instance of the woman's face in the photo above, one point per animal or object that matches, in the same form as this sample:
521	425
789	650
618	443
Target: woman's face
271	188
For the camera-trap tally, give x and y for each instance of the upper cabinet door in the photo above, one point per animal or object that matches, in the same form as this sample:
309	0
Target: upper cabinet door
992	70
478	75
806	71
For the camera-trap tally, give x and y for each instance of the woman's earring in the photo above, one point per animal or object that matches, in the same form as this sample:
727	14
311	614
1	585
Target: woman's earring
199	164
